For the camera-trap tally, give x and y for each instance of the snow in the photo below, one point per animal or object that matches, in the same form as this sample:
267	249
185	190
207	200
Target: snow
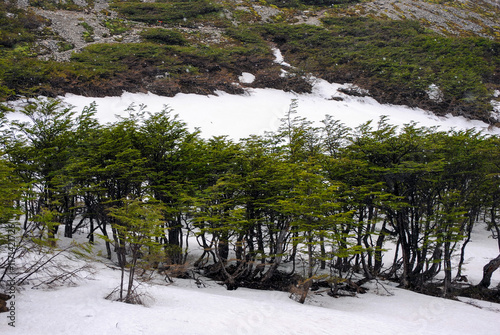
185	308
260	110
246	78
481	249
279	59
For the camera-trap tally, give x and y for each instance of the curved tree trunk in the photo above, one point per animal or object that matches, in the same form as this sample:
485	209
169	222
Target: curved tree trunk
488	270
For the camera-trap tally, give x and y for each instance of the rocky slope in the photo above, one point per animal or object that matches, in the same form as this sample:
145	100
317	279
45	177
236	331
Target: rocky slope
218	50
463	17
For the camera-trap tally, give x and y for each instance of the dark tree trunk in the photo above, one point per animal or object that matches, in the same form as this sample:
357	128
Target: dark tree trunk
464	244
175	240
494	225
102	224
488	270
223	247
323	253
447	268
280	243
91	234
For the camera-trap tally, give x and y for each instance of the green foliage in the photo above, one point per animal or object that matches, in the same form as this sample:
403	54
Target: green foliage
107	69
65	46
47	222
18	72
167	12
40	151
11	193
245	35
138	222
17	26
138	226
117	26
88	34
24	75
112	58
46	137
396	61
328	196
164	36
302	3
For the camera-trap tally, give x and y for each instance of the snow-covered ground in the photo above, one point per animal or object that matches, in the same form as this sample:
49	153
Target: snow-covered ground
182	308
187	308
260	110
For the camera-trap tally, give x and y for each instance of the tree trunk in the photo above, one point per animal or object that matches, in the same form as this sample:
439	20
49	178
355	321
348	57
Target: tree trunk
129	298
105	233
495	225
279	251
175	240
378	249
305	290
447	268
462	250
91	234
488	270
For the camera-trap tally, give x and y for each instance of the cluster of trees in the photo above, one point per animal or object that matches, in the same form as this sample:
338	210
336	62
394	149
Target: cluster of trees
324	201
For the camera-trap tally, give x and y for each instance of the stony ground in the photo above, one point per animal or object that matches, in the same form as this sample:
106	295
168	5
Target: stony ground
67	24
477	17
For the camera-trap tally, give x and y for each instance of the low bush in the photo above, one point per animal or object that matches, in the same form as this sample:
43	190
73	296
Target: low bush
165	12
18	26
164	36
117	26
299	3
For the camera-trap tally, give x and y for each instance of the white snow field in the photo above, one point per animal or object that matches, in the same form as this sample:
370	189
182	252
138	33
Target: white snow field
260	110
185	308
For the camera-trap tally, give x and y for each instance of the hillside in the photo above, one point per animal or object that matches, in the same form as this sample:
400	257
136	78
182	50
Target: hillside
440	55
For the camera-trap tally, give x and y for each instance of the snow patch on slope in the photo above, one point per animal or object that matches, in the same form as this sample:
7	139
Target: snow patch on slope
246	78
260	110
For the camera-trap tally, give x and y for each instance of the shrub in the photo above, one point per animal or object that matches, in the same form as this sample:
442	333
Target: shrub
298	3
116	26
153	12
164	36
18	28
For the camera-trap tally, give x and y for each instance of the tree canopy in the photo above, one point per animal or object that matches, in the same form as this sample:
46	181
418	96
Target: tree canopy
326	200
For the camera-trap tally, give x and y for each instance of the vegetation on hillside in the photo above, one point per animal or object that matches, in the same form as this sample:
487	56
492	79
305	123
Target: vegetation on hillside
167	12
398	62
